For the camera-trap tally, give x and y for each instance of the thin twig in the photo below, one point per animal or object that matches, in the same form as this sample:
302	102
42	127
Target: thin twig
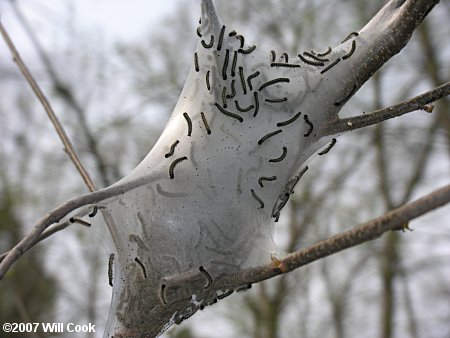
393	220
69	149
416	103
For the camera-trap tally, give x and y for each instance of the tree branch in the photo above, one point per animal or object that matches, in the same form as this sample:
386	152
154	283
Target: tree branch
416	103
393	220
68	148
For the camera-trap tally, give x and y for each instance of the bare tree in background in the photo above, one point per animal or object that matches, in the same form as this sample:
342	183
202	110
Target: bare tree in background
271	307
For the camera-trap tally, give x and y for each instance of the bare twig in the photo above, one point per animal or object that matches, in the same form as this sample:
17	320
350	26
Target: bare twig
393	220
69	149
416	103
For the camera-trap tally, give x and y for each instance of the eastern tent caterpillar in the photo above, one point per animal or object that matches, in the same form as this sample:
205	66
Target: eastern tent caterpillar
161	294
328	51
244	288
233	65
281	158
286	57
309	62
264	138
199	33
224	97
256	197
327	149
310	125
262	179
243	110
250	78
345	99
174	163
272	82
351	51
225	64
241	39
225	294
334	63
80	221
241	75
167	194
219	44
207	275
248	50
287	65
227	113
205	123
312	56
351	35
197	67
232	33
110	269
172	149
285	123
233	90
208	84
142	266
255	95
273	55
210	44
94	211
284	99
189	123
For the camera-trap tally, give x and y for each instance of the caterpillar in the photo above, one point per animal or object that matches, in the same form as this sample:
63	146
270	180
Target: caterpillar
255	95
327	149
224	97
262	179
250	78
285	123
142	266
243	110
248	50
315	57
205	123
199	33
345	99
174	163
264	138
286	57
219	44
160	191
241	74
310	125
272	82
233	65
281	158
232	33
334	63
197	67
225	294
328	51
244	288
172	149
210	44
207	275
110	269
208	85
189	123
273	55
312	63
225	64
161	294
287	65
256	197
241	39
80	221
227	113
94	211
351	51
351	35
284	99
233	90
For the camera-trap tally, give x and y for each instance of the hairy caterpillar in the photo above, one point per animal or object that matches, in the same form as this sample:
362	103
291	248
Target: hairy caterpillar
272	82
266	137
285	123
334	63
227	113
256	197
172	149
173	165
327	149
281	158
310	125
189	123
